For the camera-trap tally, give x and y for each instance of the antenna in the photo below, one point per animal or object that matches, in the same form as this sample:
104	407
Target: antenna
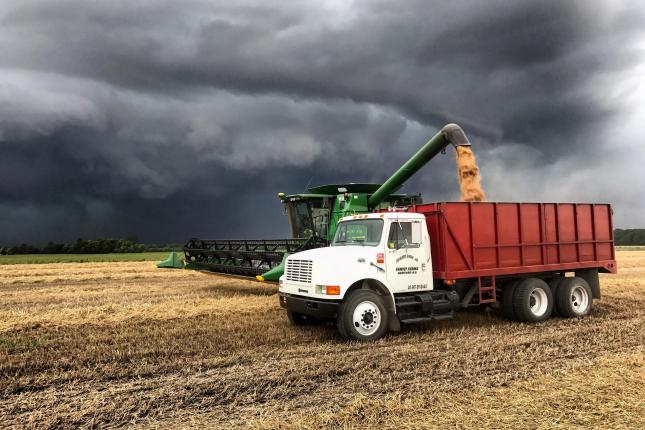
308	183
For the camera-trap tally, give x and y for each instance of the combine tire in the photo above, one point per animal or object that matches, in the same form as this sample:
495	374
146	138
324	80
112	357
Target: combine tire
573	298
362	316
532	300
298	319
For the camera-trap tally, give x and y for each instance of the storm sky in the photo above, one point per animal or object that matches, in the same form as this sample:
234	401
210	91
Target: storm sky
173	119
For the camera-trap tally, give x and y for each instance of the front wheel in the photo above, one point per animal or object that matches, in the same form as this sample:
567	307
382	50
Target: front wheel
363	316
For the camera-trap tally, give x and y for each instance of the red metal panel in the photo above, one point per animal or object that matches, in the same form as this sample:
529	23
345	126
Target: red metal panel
531	234
484	236
567	230
493	239
456	223
433	221
551	233
509	235
603	232
585	232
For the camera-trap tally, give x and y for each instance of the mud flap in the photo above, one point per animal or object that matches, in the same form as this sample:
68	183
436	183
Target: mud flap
591	276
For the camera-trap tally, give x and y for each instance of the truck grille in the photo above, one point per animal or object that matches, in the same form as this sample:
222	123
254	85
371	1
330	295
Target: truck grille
299	270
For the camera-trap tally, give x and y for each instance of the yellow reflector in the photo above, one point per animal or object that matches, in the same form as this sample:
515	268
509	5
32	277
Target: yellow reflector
333	290
260	278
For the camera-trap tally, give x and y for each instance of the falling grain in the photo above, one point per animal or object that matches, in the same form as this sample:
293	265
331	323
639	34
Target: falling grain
468	175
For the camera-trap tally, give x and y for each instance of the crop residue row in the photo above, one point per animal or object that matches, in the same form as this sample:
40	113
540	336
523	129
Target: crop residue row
164	348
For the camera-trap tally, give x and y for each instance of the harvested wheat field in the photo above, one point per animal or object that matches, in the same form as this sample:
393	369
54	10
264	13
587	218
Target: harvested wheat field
113	344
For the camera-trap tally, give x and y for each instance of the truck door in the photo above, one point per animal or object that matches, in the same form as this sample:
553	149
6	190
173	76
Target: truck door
406	257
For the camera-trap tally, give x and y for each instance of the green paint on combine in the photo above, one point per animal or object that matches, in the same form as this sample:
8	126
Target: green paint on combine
174	261
313	218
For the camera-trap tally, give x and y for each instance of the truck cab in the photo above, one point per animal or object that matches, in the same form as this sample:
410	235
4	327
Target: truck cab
376	273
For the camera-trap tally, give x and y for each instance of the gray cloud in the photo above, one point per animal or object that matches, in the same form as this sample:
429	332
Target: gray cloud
167	120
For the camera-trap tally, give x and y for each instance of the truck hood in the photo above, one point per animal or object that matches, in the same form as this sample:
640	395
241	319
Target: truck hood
341	265
342	253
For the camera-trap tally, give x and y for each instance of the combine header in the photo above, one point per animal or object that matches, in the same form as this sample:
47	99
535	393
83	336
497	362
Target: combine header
313	218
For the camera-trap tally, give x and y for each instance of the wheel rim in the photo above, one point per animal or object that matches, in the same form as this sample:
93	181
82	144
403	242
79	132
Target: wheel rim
579	299
366	318
538	302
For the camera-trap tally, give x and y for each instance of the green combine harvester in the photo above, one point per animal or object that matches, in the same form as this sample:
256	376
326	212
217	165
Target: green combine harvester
313	217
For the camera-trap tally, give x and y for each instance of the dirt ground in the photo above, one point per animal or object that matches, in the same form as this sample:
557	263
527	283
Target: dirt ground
113	344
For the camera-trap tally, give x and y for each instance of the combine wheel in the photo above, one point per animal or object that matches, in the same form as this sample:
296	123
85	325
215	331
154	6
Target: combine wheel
532	300
363	316
296	318
573	298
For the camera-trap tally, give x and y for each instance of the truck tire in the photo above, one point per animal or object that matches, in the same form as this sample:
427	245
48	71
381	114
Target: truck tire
507	301
299	319
553	284
573	298
532	300
363	316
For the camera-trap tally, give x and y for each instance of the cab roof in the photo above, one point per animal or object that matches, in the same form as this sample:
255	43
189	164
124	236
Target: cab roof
351	187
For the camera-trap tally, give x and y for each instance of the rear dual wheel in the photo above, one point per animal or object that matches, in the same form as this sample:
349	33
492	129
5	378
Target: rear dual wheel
528	300
532	300
573	297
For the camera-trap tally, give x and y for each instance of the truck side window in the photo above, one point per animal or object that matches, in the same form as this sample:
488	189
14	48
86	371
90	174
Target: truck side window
401	235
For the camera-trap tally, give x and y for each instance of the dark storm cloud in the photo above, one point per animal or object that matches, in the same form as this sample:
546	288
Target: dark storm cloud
193	114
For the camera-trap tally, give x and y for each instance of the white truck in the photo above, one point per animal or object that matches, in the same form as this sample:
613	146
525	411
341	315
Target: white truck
383	269
371	259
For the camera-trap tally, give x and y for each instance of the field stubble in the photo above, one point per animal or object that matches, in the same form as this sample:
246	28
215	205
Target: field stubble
108	344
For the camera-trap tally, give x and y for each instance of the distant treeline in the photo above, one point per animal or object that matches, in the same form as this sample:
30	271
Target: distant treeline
622	237
95	246
632	236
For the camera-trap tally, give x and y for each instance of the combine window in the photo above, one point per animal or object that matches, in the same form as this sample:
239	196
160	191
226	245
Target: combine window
300	219
308	216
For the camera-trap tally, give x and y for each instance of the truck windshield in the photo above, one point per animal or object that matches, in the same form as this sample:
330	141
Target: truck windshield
358	232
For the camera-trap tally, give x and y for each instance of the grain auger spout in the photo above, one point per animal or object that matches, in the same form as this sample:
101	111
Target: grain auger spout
450	134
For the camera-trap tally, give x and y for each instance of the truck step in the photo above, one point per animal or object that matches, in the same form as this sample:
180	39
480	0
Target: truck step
425	319
425	306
